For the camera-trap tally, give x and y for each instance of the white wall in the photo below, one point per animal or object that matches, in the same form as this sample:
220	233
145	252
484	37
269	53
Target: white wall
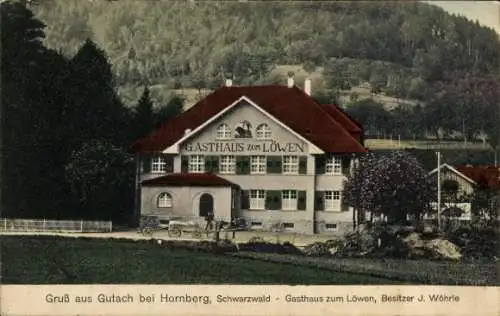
186	201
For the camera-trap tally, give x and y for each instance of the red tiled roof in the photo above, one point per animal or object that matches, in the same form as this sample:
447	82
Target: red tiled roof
484	176
343	118
351	125
291	106
189	179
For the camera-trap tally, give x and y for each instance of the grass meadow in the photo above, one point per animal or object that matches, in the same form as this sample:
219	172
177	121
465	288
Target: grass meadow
59	260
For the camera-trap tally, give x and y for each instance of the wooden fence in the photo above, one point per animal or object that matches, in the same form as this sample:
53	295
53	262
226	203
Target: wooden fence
45	225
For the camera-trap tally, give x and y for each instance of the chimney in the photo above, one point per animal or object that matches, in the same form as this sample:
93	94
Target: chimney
229	82
187	131
290	80
307	86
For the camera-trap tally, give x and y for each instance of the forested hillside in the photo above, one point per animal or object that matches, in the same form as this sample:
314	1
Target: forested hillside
400	48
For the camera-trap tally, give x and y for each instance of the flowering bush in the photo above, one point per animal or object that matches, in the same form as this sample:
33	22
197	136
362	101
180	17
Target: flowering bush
392	184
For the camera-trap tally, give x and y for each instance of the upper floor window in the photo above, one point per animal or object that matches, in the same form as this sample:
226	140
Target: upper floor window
332	200
196	164
263	131
333	165
258	164
158	165
227	164
290	165
165	200
223	132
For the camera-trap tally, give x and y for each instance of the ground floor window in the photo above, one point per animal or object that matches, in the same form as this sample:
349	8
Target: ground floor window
196	164
289	200
257	199
165	200
288	226
332	200
256	225
331	227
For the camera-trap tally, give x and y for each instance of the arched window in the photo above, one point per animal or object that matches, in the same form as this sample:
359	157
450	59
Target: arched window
165	200
263	131
223	132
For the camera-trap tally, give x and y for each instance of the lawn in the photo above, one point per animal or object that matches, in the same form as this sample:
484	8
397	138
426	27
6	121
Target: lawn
426	272
59	260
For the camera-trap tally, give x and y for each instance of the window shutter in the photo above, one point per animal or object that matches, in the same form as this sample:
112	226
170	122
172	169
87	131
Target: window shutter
184	164
301	203
346	162
320	164
212	164
146	164
239	164
245	199
245	165
319	202
273	200
215	164
273	164
170	163
302	165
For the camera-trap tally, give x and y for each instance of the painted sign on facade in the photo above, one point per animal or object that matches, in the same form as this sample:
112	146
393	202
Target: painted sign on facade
238	147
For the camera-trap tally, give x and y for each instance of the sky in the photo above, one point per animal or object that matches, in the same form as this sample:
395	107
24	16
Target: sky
486	12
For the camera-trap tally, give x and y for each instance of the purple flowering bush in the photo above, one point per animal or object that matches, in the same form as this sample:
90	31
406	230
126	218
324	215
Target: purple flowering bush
390	184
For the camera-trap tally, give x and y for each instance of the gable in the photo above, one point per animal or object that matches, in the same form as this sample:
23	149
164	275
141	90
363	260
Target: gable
243	122
290	106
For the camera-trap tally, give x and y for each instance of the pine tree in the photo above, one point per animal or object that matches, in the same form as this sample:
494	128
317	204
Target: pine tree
31	108
144	119
94	110
173	108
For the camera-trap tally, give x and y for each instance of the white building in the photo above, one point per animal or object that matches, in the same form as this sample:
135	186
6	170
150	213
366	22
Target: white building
268	154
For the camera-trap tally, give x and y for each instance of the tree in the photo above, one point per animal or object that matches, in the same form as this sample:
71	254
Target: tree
93	108
144	118
392	184
372	115
173	108
101	179
31	104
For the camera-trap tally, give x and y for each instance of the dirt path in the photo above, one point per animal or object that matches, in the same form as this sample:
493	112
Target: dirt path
240	237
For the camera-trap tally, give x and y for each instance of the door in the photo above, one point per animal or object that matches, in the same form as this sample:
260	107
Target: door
206	204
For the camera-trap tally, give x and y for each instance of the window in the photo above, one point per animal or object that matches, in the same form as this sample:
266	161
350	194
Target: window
290	165
257	199
258	165
263	131
331	227
333	165
223	132
158	165
196	164
165	200
289	200
332	200
288	226
227	164
256	225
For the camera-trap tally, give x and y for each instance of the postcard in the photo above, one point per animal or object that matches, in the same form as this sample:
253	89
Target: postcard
249	158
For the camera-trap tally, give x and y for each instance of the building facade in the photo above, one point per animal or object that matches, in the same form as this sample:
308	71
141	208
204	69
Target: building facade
459	184
271	155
